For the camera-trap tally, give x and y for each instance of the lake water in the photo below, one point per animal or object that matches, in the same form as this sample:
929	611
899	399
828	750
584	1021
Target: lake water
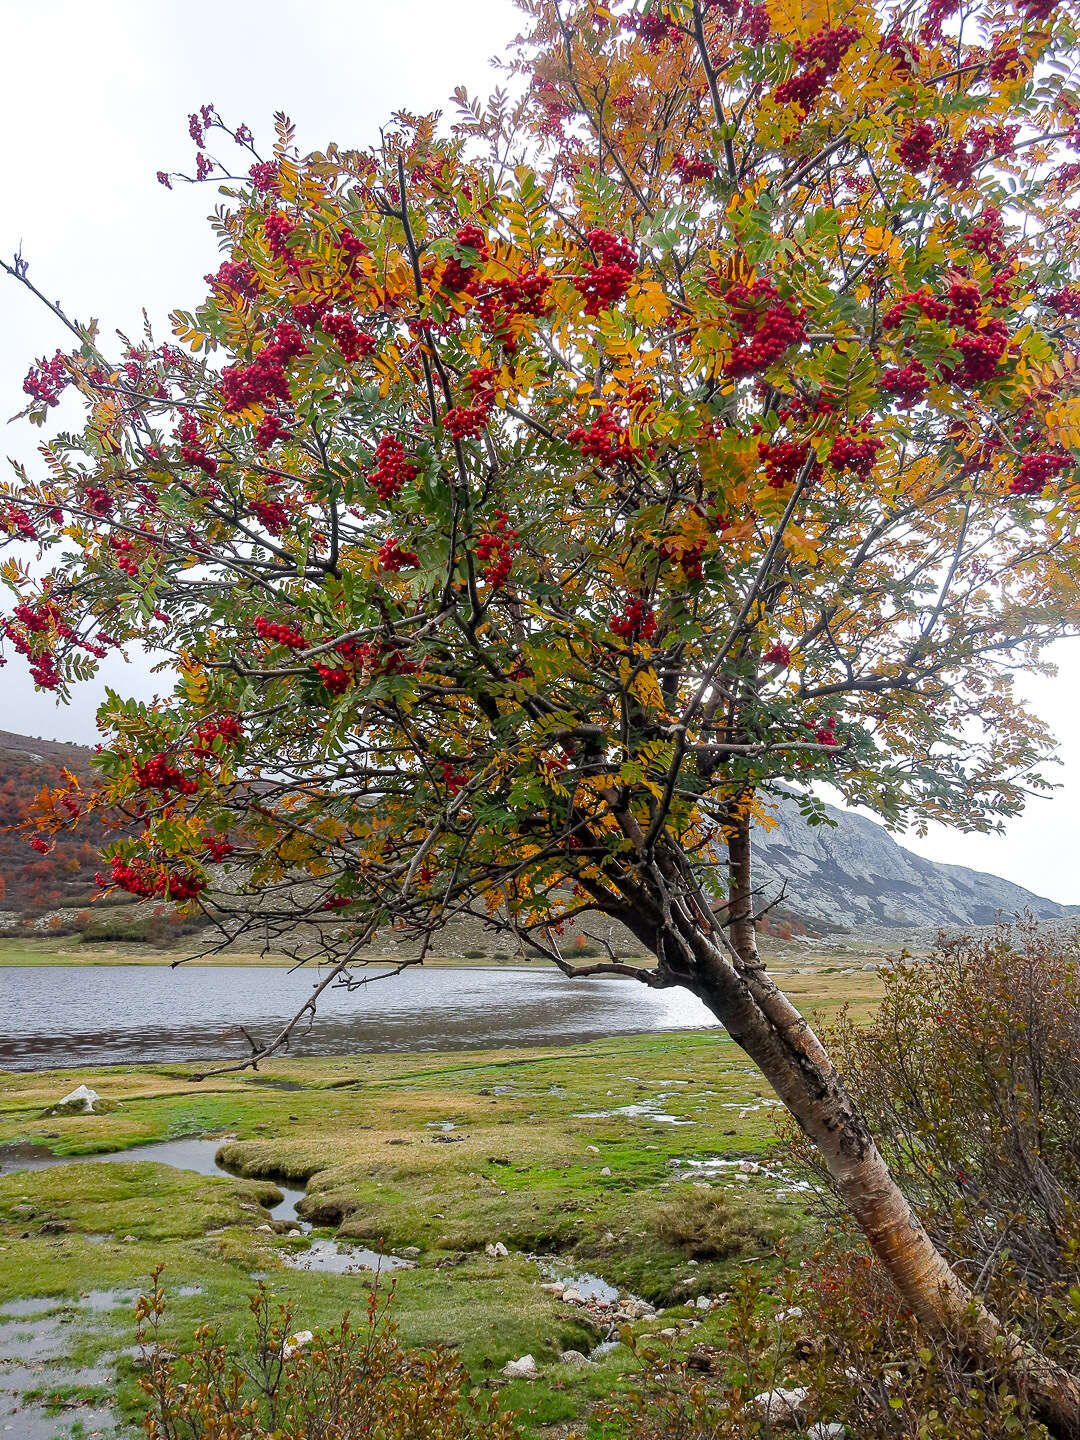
68	1015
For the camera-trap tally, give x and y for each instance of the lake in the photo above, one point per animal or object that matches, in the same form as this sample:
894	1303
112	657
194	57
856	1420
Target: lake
68	1015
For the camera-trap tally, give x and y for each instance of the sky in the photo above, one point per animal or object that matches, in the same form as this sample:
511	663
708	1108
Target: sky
94	100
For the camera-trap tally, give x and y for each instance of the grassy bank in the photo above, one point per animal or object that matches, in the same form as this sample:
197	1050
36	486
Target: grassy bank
590	1154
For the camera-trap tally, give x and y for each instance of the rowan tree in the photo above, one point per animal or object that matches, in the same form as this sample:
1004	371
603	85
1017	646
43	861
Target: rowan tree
539	492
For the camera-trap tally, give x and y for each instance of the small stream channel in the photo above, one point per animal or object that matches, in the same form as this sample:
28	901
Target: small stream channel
196	1153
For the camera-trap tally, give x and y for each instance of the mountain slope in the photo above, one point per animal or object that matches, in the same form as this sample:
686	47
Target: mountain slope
847	876
854	873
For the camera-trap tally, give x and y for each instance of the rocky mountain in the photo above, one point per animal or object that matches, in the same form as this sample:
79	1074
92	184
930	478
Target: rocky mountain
854	874
847	876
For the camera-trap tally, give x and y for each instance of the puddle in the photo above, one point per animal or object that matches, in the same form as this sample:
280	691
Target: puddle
22	1344
591	1287
31	1422
641	1110
98	1300
336	1258
444	1125
742	1170
193	1152
27	1307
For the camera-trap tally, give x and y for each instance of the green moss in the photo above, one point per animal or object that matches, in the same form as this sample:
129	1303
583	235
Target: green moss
525	1165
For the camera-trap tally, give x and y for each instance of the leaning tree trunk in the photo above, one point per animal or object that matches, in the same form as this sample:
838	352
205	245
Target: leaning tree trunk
784	1047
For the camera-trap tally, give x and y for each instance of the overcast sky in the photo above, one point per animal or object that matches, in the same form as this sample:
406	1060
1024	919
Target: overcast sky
94	100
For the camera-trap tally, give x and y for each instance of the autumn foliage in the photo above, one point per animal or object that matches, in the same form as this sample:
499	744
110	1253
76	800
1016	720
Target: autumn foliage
536	493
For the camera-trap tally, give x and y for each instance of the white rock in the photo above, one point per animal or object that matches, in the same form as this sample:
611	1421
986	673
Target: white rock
553	1287
83	1095
573	1297
795	1313
592	1149
702	1302
523	1369
575	1359
295	1343
264	1230
826	1430
489	1250
781	1407
606	1170
501	1252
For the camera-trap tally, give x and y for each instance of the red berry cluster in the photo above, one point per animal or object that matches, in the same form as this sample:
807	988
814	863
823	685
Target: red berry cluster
769	326
237	276
278	634
688	559
14	521
825	733
1065	302
1036	471
264	176
456	275
465	420
605	441
756	25
988	237
272	514
605	284
931	307
392	470
655	28
782	461
820	57
378	659
277	227
99	502
501	300
353	343
636	622
337	902
335	679
192	450
217	849
39	845
495	551
263	381
692	167
46	381
915	148
160	774
454	780
37	620
855	452
909	382
140	878
393	558
982	351
778	654
270	428
226	728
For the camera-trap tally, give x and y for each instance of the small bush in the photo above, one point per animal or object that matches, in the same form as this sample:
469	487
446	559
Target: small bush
833	1334
969	1076
345	1384
709	1227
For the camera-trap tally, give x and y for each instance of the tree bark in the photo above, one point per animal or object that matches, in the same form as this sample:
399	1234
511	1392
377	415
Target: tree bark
761	1019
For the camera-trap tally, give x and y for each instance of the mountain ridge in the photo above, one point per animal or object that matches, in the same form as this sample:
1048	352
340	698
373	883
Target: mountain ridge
846	876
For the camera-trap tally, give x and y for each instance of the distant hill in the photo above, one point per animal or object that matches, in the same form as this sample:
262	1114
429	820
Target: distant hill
855	874
29	882
844	877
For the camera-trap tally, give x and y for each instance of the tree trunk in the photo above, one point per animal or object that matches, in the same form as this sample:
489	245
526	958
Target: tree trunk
784	1047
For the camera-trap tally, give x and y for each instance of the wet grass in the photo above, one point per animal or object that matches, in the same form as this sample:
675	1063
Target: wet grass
569	1152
